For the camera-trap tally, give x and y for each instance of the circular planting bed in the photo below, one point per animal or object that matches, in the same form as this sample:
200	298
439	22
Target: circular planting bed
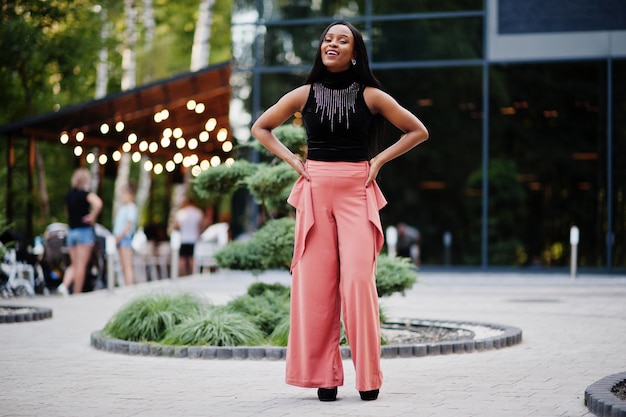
407	338
17	314
607	397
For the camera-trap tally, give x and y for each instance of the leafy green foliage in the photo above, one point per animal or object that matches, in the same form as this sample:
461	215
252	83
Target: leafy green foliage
507	213
290	135
215	183
260	288
271	247
219	327
4	226
271	186
394	274
266	309
280	335
151	317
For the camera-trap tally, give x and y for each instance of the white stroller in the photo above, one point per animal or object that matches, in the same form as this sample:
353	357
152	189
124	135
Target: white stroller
18	277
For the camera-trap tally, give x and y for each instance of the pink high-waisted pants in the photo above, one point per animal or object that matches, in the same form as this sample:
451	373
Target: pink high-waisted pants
338	238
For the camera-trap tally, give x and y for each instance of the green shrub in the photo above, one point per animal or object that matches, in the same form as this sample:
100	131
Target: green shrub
219	327
271	186
221	181
293	137
151	317
271	247
394	274
267	309
259	288
241	255
280	335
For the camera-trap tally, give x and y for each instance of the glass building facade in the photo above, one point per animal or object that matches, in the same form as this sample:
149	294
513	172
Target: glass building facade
527	133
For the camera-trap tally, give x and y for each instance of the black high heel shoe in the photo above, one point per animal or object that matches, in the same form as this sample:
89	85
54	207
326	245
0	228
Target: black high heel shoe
327	394
369	395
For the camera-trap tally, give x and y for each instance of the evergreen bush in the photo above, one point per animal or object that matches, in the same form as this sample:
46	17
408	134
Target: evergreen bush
266	306
271	247
221	181
394	274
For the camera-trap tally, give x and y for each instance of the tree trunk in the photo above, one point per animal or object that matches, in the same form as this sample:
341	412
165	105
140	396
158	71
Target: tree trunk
145	177
200	53
129	70
102	69
41	183
202	36
102	80
129	58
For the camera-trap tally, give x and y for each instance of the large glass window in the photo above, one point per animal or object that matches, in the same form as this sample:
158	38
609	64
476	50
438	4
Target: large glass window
548	154
412	40
548	161
424	6
428	185
291	45
276	85
619	164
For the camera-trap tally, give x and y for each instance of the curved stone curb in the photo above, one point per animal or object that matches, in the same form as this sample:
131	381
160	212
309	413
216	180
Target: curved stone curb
601	401
35	313
507	336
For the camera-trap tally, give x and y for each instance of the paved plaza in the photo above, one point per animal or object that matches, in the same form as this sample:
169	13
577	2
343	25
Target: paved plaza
574	333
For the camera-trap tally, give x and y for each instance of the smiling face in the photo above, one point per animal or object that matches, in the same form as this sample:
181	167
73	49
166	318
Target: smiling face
337	48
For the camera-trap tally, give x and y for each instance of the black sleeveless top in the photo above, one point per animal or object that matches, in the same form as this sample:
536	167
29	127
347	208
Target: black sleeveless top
77	207
337	120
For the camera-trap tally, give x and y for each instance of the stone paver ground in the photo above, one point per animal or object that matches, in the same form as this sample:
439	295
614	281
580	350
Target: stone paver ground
574	333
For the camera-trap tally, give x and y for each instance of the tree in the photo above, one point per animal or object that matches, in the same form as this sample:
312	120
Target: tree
45	49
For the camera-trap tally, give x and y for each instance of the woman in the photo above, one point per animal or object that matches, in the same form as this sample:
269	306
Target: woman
83	208
189	221
338	229
124	229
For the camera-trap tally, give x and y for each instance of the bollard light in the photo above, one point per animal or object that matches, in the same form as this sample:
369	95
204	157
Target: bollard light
175	242
574	237
110	248
391	236
447	244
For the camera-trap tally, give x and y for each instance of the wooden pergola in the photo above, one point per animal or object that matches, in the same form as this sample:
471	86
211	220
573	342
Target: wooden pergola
179	121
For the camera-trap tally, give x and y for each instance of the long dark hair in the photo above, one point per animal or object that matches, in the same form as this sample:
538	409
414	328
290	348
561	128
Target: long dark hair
362	74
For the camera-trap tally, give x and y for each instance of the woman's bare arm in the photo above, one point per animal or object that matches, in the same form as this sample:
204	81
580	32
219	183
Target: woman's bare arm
414	131
275	116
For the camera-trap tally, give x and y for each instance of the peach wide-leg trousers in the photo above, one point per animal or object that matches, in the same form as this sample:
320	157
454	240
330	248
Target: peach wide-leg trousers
338	238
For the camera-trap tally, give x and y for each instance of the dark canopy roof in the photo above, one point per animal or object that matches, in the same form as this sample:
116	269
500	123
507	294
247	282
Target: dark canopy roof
182	96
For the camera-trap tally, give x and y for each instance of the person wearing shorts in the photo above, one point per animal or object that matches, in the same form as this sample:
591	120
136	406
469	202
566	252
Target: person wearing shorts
189	221
83	208
124	229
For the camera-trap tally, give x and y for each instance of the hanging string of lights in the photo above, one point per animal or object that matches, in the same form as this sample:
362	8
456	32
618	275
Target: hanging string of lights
183	150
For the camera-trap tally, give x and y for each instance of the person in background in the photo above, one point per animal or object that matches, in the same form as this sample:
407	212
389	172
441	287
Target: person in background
338	230
124	229
189	221
83	207
409	243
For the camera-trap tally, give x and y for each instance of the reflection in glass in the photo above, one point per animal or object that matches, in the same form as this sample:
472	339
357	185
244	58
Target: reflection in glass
413	40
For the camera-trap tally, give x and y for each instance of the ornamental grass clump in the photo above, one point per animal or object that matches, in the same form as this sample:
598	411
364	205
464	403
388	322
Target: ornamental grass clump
149	318
266	305
219	327
280	335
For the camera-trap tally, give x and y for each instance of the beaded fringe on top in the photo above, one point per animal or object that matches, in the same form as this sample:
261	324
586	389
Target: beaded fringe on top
335	104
